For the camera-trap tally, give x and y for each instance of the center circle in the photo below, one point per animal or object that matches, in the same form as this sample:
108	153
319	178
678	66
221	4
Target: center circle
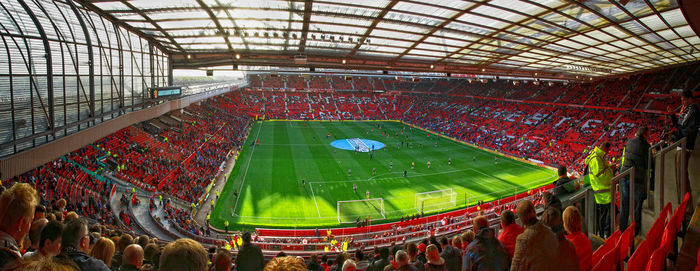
357	144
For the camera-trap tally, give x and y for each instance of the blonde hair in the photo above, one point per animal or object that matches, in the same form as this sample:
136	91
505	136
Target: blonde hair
43	264
19	201
103	250
286	264
457	242
468	237
70	216
184	254
572	219
61	203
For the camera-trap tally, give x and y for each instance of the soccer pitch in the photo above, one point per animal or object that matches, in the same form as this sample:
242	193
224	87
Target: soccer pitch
268	176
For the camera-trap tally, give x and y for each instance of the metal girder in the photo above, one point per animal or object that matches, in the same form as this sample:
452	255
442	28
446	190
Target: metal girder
371	27
236	28
308	8
154	23
222	32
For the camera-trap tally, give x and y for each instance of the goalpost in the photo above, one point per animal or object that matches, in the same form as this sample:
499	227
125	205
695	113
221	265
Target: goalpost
350	210
435	200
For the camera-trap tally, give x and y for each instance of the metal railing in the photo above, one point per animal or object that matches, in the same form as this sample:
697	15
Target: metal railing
647	173
614	187
659	179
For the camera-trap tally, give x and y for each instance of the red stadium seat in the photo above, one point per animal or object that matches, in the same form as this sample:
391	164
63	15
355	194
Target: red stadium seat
608	262
657	261
657	229
609	245
624	243
697	266
639	259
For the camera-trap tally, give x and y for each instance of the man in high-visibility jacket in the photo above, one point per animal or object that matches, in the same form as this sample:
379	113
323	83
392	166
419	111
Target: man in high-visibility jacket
600	174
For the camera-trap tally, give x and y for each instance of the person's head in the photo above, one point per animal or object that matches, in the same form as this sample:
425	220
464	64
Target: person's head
184	255
443	241
39	212
384	252
285	264
349	265
35	232
432	254
642	132
561	171
17	206
467	237
60	204
50	240
103	250
401	257
124	242
133	255
222	260
149	251
70	216
480	222
550	200
507	218
605	147
142	241
526	212
687	97
75	234
245	237
46	264
359	256
552	219
457	242
412	250
572	219
339	258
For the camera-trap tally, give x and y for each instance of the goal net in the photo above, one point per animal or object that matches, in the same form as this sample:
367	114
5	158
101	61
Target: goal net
435	200
350	210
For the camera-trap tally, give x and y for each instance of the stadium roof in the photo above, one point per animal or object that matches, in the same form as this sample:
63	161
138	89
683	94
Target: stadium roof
555	38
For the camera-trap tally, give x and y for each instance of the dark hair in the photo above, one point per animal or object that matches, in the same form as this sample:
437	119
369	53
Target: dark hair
39	209
605	145
149	251
443	241
52	231
359	255
245	237
561	170
507	217
384	252
339	259
142	240
687	93
73	232
641	131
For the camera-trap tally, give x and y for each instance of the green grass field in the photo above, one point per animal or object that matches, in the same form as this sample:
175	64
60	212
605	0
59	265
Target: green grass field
268	175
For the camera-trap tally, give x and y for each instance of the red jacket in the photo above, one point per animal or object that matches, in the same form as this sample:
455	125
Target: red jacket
584	251
508	236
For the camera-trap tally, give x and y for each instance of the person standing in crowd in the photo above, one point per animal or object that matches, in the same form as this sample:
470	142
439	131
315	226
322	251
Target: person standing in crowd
486	252
75	245
536	247
452	255
185	255
49	242
435	262
561	185
686	125
17	206
510	231
572	225
635	154
601	173
250	256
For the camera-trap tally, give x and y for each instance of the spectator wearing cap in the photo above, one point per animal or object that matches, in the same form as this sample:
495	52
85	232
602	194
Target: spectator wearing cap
17	206
510	231
485	252
435	262
412	251
537	245
566	253
250	256
634	155
421	252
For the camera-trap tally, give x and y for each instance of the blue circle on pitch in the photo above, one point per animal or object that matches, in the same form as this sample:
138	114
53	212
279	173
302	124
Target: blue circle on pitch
362	145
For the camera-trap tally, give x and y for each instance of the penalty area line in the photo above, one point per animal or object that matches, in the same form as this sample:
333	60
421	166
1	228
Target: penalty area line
315	203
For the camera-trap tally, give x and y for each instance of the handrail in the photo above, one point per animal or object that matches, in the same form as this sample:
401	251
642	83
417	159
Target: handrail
647	173
613	188
660	179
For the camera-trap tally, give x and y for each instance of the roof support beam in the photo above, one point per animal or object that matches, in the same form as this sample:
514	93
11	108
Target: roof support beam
372	26
154	23
235	25
221	30
308	8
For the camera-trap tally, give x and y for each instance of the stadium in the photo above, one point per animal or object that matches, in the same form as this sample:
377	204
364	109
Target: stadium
349	135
